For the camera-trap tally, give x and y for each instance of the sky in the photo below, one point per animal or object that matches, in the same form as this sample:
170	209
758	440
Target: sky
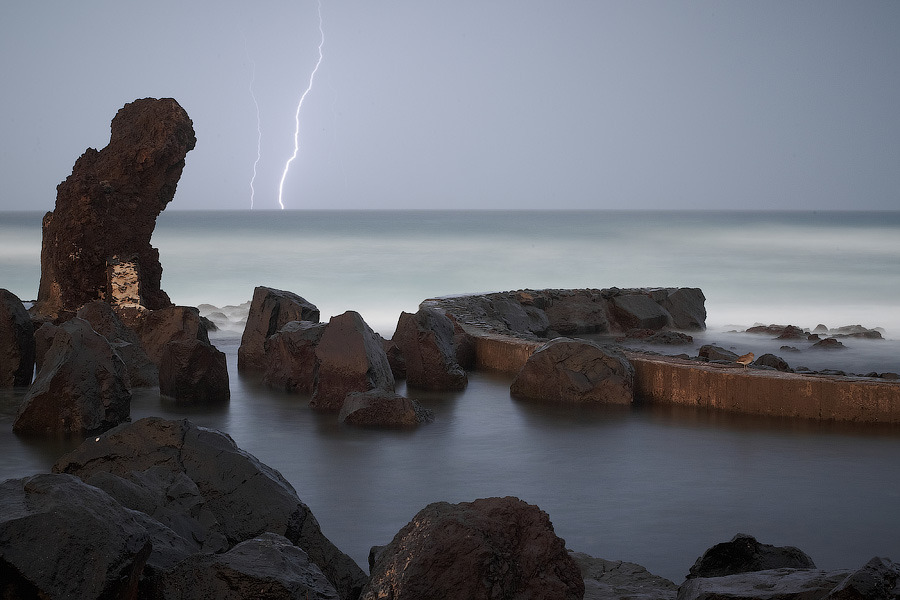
498	104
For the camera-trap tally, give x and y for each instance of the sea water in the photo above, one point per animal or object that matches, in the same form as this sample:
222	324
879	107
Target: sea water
653	485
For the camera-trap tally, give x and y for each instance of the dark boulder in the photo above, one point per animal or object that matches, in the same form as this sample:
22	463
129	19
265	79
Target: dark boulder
772	584
711	352
618	579
291	363
782	332
194	371
141	370
426	341
380	408
239	497
878	579
519	318
489	548
16	342
744	554
82	386
351	359
771	360
96	241
270	310
565	370
43	339
638	311
828	344
159	327
395	358
61	538
686	307
572	312
268	566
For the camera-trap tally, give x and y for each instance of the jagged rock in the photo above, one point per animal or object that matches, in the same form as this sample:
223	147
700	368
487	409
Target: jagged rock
687	308
744	554
572	312
828	344
712	352
771	360
267	566
395	358
426	342
638	311
16	342
159	327
566	370
194	371
878	579
82	386
270	310
43	339
519	318
489	548
380	408
141	370
351	359
239	497
96	241
782	332
618	579
773	584
61	538
291	357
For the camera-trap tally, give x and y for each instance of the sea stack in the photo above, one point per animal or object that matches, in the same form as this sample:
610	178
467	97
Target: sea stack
96	242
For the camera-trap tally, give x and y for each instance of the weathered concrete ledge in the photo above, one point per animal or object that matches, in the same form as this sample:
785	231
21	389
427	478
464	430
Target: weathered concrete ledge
675	381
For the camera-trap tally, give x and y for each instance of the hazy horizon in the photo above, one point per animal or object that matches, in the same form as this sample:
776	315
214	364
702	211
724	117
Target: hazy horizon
535	105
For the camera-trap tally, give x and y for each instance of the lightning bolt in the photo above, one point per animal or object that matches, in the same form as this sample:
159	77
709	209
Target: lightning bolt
258	134
312	76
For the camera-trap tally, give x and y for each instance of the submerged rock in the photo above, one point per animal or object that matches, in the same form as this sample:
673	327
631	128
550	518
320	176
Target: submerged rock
270	310
426	341
96	241
380	408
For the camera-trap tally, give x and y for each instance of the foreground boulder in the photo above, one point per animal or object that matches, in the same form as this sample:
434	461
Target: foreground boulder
207	488
270	310
82	387
565	370
380	408
426	341
351	358
489	548
96	241
743	554
194	371
772	584
16	342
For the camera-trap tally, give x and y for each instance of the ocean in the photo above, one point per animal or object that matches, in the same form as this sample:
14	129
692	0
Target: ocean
651	485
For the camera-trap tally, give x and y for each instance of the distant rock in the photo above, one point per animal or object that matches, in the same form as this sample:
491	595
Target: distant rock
16	342
712	352
567	370
270	310
96	241
661	338
82	387
743	554
380	408
782	332
828	344
426	341
489	548
771	360
351	358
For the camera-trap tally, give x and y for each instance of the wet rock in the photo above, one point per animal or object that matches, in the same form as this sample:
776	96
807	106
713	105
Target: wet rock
291	357
712	352
82	386
270	310
267	566
16	342
61	538
573	312
194	371
566	370
743	554
618	579
828	344
878	579
380	408
159	327
426	341
489	548
142	372
519	318
395	358
638	311
351	359
96	241
239	497
771	360
43	339
774	584
687	307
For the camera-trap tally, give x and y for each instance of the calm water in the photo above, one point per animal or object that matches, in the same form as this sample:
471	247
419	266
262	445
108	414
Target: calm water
654	486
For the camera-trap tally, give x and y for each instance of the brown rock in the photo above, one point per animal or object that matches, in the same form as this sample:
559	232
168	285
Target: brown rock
96	241
194	371
565	370
43	339
380	408
638	311
82	387
580	311
16	342
426	342
141	370
351	359
159	327
687	307
489	548
270	310
291	362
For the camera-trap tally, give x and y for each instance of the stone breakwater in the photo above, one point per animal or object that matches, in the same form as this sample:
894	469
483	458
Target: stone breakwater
504	339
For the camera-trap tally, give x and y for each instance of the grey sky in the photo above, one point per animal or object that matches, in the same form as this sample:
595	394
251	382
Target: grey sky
472	104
